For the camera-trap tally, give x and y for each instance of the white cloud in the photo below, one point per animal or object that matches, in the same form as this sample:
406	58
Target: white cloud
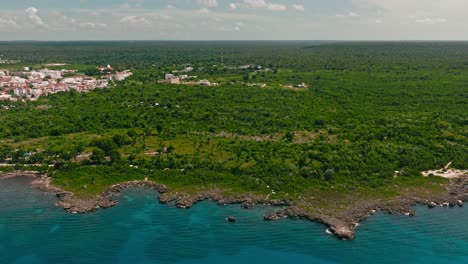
74	23
276	7
132	4
134	20
298	7
203	10
208	3
430	21
262	4
91	25
34	18
232	6
8	23
348	15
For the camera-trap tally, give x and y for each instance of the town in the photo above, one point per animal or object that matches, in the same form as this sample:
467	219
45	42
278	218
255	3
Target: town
32	84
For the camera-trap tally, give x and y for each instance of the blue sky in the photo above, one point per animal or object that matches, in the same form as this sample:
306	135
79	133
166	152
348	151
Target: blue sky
234	19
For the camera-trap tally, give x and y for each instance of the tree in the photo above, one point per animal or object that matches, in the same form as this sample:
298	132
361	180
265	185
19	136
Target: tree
106	144
92	72
115	156
97	156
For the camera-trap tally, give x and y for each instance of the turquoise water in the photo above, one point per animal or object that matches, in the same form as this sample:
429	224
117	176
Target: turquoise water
140	230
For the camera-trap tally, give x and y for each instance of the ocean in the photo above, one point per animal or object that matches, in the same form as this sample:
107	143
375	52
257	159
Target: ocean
140	230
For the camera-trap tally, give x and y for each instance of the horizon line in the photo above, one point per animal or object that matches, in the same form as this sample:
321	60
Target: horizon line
232	40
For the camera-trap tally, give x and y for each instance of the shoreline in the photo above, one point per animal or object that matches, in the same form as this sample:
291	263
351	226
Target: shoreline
342	225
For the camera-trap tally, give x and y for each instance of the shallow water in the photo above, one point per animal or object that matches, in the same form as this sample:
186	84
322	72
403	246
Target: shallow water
141	230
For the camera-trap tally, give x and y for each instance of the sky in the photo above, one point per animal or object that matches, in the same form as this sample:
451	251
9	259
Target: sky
233	20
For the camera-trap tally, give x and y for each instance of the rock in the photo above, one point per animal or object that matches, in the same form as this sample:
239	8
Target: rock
460	203
445	204
279	202
222	202
343	232
184	202
275	216
61	195
410	213
231	219
247	204
432	205
271	217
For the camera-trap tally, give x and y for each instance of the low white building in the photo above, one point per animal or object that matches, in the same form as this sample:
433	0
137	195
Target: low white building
5	97
120	76
37	75
174	81
204	82
18	91
52	74
169	76
69	80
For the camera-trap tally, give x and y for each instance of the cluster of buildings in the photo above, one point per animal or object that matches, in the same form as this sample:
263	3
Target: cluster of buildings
261	85
251	67
6	61
171	78
30	85
301	85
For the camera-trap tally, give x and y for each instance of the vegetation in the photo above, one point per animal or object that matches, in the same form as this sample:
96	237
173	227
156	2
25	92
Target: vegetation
370	109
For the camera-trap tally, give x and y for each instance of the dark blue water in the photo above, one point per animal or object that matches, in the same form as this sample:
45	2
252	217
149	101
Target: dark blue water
140	230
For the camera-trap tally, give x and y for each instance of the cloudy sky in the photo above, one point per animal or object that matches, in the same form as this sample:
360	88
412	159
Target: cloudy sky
234	19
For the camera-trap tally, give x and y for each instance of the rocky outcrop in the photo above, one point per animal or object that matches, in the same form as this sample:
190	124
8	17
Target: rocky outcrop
73	204
248	203
32	174
341	223
184	200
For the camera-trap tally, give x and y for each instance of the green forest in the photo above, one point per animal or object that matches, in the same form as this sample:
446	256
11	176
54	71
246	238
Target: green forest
373	116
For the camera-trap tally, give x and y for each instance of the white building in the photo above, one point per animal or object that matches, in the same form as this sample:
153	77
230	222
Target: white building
38	75
169	76
174	81
18	91
53	74
5	97
120	76
204	82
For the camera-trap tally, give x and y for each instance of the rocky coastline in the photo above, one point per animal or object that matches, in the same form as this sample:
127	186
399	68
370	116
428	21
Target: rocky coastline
342	224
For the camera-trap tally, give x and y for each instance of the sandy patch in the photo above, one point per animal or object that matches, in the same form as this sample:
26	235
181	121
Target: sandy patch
446	172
